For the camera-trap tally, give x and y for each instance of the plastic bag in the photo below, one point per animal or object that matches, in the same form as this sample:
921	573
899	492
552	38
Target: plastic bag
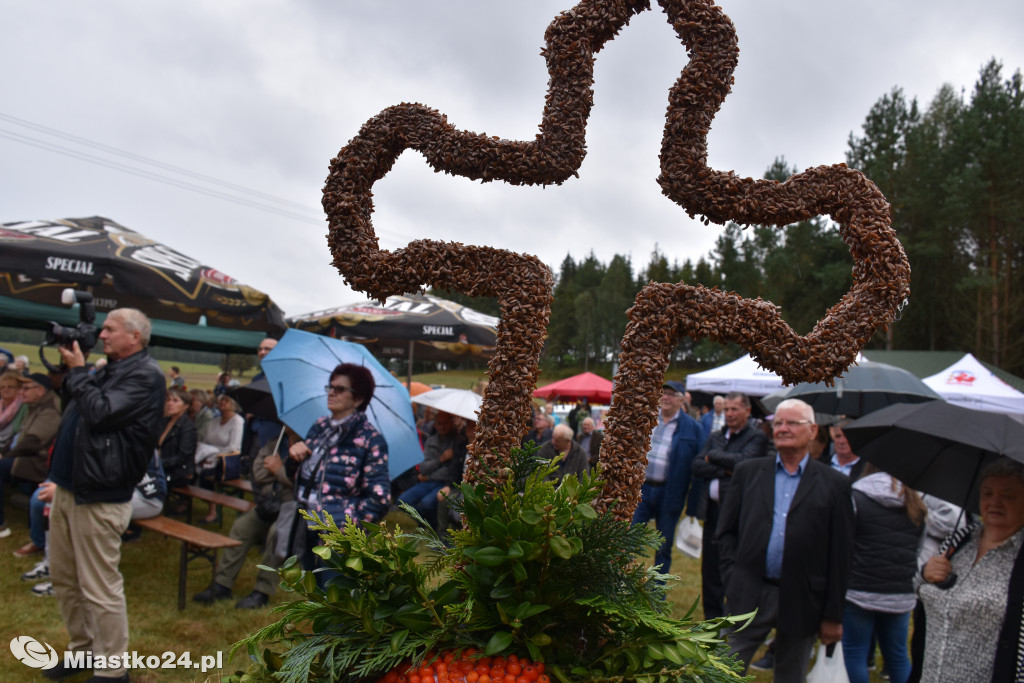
689	535
829	669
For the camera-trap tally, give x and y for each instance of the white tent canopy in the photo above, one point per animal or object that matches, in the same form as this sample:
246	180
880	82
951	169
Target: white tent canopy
970	384
743	374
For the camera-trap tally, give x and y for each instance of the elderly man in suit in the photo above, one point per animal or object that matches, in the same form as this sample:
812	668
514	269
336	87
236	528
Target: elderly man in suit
785	537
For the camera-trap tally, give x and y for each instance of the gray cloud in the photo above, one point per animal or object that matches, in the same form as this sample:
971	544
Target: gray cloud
263	94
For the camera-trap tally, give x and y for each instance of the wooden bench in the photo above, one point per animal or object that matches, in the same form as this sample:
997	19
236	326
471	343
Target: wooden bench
243	485
195	543
218	499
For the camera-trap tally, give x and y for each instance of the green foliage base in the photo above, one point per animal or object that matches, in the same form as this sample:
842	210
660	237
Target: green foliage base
537	572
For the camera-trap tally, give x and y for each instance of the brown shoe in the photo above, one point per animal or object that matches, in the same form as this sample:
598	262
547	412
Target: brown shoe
28	550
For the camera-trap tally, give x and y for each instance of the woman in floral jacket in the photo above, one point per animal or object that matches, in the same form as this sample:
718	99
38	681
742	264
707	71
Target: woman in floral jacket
344	458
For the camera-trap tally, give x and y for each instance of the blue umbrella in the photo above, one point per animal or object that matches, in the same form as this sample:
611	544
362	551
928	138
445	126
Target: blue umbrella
298	369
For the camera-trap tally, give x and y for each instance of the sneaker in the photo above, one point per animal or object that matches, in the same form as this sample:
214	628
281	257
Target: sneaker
44	590
28	550
253	600
4	531
37	573
766	663
60	672
212	594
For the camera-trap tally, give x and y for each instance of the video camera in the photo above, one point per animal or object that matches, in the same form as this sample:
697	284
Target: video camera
85	333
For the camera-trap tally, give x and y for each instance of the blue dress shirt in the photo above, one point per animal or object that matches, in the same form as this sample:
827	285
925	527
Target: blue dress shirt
785	488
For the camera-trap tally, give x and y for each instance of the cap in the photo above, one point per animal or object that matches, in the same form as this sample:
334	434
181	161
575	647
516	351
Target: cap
675	386
40	379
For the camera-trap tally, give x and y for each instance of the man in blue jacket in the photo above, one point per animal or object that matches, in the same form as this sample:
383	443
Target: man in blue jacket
675	442
111	425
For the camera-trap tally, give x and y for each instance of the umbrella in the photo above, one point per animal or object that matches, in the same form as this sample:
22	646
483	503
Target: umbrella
191	303
297	371
461	402
936	447
423	326
586	385
863	389
255	399
416	388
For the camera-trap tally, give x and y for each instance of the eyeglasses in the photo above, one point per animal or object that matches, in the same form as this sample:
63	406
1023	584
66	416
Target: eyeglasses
779	424
334	389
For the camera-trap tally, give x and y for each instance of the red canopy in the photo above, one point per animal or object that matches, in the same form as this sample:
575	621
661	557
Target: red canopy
586	385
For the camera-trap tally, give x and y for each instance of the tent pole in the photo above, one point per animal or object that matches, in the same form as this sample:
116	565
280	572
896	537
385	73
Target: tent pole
409	371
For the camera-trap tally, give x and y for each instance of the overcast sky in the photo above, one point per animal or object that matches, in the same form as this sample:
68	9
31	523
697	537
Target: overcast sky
263	93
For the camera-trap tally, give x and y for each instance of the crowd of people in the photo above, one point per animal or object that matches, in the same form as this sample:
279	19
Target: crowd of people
797	528
825	547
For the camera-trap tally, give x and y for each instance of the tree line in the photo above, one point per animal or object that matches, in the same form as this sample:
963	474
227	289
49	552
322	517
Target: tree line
953	172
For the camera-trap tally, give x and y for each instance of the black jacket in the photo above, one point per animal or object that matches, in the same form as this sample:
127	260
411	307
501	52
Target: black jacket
885	548
818	544
719	458
120	415
178	452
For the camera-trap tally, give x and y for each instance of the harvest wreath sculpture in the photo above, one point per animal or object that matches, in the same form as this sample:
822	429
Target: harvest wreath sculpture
661	314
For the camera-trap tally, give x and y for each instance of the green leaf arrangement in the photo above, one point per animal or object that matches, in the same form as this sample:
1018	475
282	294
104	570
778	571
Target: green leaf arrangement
536	572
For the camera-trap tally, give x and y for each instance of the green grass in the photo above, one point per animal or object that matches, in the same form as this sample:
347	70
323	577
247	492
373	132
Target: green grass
150	569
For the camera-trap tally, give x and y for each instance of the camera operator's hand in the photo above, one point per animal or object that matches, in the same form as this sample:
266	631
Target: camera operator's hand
73	357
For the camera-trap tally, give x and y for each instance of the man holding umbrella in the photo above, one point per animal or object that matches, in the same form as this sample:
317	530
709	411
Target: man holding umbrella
785	538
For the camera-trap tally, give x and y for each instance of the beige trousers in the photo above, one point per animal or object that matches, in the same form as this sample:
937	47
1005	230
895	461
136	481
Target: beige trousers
85	550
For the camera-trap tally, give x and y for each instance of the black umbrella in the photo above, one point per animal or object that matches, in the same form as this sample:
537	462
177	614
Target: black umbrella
122	268
862	389
443	330
936	447
420	326
255	398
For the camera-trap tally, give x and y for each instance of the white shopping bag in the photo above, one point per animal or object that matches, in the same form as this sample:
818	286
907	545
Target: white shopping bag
828	669
689	534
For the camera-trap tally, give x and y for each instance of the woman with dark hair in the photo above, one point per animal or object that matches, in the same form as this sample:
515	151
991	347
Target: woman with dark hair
178	440
344	458
973	590
880	596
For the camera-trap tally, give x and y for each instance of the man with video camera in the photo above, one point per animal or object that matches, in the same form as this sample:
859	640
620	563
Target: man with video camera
111	425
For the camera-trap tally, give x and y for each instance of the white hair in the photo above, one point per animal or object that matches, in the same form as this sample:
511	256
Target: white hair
806	411
134	320
563	431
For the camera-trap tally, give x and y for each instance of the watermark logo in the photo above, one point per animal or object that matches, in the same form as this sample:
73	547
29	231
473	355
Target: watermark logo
40	655
34	653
